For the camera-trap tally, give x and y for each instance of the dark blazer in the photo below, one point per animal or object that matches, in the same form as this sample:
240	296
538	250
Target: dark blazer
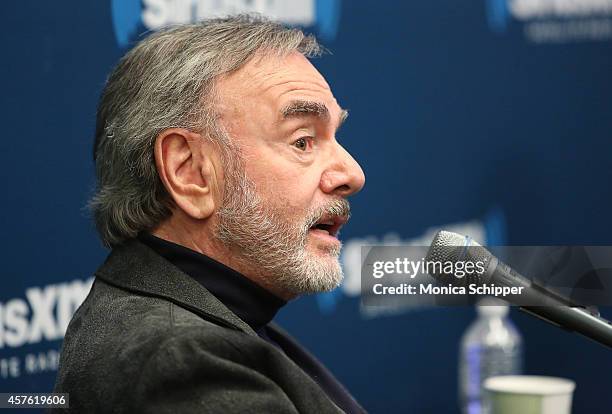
149	338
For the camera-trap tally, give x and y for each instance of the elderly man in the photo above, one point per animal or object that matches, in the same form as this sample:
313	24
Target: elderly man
221	191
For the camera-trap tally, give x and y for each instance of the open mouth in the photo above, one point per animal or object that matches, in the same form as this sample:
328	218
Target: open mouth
329	224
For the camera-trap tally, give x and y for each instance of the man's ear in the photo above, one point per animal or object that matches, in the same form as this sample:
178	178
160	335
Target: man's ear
187	171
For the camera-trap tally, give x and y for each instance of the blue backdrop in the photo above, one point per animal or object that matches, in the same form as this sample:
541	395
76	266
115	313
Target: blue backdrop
493	116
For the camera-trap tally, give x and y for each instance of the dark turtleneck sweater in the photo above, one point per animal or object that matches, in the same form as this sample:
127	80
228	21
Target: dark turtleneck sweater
254	305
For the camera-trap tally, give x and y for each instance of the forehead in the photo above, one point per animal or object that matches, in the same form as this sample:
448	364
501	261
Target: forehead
269	72
275	81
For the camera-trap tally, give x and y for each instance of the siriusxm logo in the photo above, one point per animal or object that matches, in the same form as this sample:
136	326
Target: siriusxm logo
43	314
553	21
131	17
501	12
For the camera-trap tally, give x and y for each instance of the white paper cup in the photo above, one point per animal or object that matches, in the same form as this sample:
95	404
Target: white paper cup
526	394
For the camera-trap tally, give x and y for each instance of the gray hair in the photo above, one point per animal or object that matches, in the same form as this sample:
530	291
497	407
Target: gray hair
166	81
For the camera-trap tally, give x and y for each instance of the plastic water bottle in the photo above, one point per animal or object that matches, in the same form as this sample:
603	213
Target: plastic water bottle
490	346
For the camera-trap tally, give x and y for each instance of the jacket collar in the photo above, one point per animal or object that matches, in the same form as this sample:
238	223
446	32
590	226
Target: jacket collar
137	268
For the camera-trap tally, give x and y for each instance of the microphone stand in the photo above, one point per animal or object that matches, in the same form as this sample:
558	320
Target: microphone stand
575	319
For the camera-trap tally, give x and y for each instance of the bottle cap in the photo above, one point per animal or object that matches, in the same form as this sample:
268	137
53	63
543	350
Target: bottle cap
491	307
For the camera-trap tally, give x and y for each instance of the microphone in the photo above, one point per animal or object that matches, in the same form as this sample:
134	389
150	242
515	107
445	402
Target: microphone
452	247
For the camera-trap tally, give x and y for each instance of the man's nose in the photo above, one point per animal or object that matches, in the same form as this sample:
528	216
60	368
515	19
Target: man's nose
344	176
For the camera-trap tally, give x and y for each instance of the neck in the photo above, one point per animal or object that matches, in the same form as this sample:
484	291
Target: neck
199	236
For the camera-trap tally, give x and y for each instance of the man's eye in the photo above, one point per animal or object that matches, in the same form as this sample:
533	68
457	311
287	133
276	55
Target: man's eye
302	144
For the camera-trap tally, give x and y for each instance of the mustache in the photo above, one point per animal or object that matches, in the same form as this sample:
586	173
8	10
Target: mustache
338	207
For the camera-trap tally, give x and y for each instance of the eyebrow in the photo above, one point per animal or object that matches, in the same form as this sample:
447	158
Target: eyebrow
303	108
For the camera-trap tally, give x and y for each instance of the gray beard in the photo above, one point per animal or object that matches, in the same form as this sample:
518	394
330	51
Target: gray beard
275	245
